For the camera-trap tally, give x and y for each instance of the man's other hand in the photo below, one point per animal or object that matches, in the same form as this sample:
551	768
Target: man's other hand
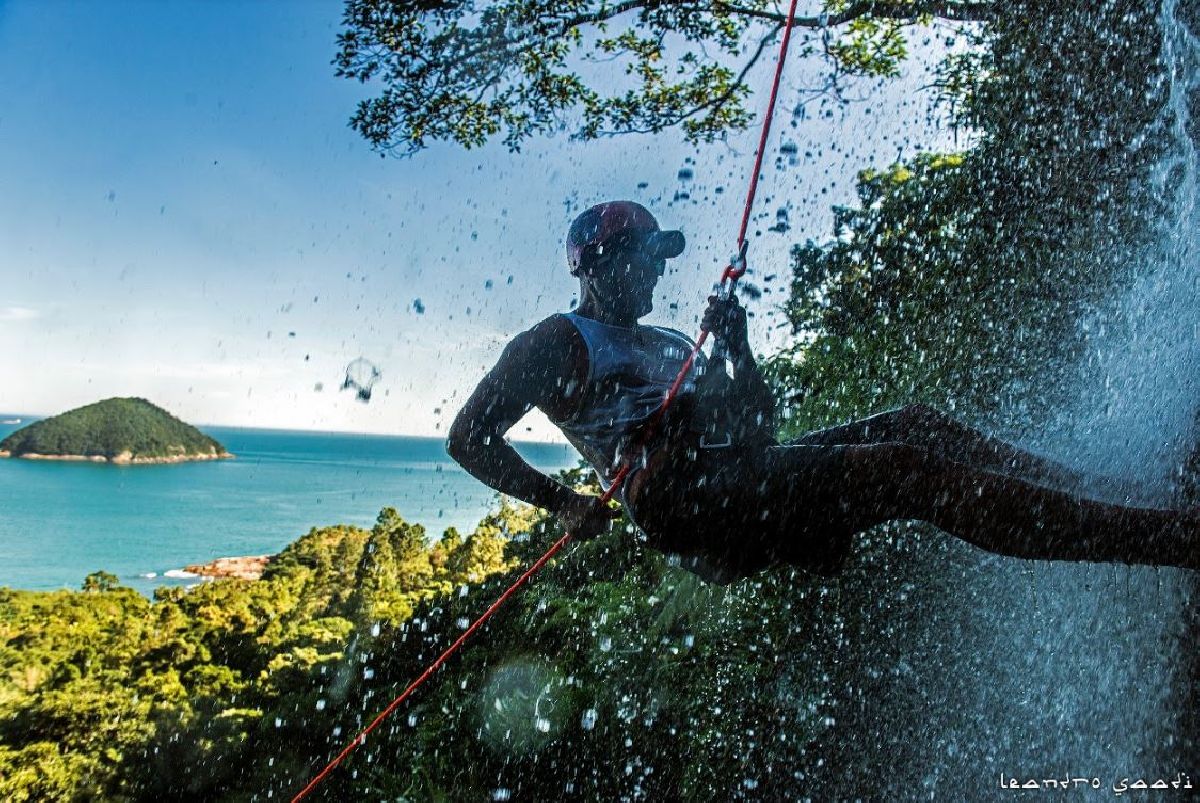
585	518
727	321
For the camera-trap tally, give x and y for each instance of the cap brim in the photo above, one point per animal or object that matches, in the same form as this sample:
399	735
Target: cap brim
665	244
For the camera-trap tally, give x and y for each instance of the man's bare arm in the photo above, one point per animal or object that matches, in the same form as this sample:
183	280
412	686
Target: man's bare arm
532	371
524	377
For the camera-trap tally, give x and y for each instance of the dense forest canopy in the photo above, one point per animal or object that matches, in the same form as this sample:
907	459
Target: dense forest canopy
109	428
236	688
109	695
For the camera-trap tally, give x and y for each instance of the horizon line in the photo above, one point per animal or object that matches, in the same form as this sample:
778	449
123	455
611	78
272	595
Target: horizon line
23	416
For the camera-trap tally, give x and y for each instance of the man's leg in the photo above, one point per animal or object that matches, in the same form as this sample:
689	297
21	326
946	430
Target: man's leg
924	426
1002	514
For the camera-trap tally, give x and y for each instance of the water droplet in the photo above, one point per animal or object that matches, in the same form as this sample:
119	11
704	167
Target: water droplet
320	705
588	720
361	375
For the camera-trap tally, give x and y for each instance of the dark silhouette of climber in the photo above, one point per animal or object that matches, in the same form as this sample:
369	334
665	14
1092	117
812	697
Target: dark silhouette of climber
714	487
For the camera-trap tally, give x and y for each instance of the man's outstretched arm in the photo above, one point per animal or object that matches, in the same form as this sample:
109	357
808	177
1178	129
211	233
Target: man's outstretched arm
476	441
528	374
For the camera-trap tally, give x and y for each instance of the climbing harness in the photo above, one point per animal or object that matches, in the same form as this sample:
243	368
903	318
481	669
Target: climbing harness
729	278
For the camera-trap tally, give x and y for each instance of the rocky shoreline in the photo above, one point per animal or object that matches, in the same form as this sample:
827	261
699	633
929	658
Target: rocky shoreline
124	458
246	567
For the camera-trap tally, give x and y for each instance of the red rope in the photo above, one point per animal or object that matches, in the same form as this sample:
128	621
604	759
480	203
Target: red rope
441	659
626	464
762	144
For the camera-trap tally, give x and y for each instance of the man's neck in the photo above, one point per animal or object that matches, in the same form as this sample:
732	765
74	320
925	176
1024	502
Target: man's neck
606	316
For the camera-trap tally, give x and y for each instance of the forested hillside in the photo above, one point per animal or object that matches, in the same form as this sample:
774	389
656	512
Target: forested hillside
239	688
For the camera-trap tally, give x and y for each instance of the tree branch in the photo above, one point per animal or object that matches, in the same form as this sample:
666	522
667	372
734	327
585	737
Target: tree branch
713	104
977	11
604	14
972	11
509	71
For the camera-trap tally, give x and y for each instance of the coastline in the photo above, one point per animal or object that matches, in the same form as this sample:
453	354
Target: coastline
125	458
154	522
245	567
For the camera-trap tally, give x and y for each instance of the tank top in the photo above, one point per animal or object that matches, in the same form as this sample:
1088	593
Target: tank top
630	371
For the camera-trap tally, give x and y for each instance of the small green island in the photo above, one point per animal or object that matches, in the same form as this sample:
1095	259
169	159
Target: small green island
123	430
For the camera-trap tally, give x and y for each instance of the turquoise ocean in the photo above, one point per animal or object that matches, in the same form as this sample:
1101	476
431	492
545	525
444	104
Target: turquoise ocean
60	521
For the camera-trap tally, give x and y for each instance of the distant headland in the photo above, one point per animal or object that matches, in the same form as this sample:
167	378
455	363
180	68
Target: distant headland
124	430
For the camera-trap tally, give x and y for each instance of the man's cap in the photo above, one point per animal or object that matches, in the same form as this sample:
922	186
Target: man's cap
616	224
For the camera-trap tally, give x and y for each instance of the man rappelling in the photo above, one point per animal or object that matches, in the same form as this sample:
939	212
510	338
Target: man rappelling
729	503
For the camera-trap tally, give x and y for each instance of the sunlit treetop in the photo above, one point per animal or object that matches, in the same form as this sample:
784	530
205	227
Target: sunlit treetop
469	71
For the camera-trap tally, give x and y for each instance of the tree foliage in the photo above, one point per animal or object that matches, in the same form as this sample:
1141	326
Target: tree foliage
109	695
237	688
464	72
961	279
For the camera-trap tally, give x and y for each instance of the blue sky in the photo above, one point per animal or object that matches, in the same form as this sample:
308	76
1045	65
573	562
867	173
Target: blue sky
186	216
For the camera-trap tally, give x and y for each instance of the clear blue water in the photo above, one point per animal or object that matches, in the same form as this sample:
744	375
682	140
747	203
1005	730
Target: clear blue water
62	520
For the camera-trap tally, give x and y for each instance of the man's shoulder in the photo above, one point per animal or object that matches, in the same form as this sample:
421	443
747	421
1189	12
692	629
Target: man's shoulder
541	358
554	325
554	331
552	337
